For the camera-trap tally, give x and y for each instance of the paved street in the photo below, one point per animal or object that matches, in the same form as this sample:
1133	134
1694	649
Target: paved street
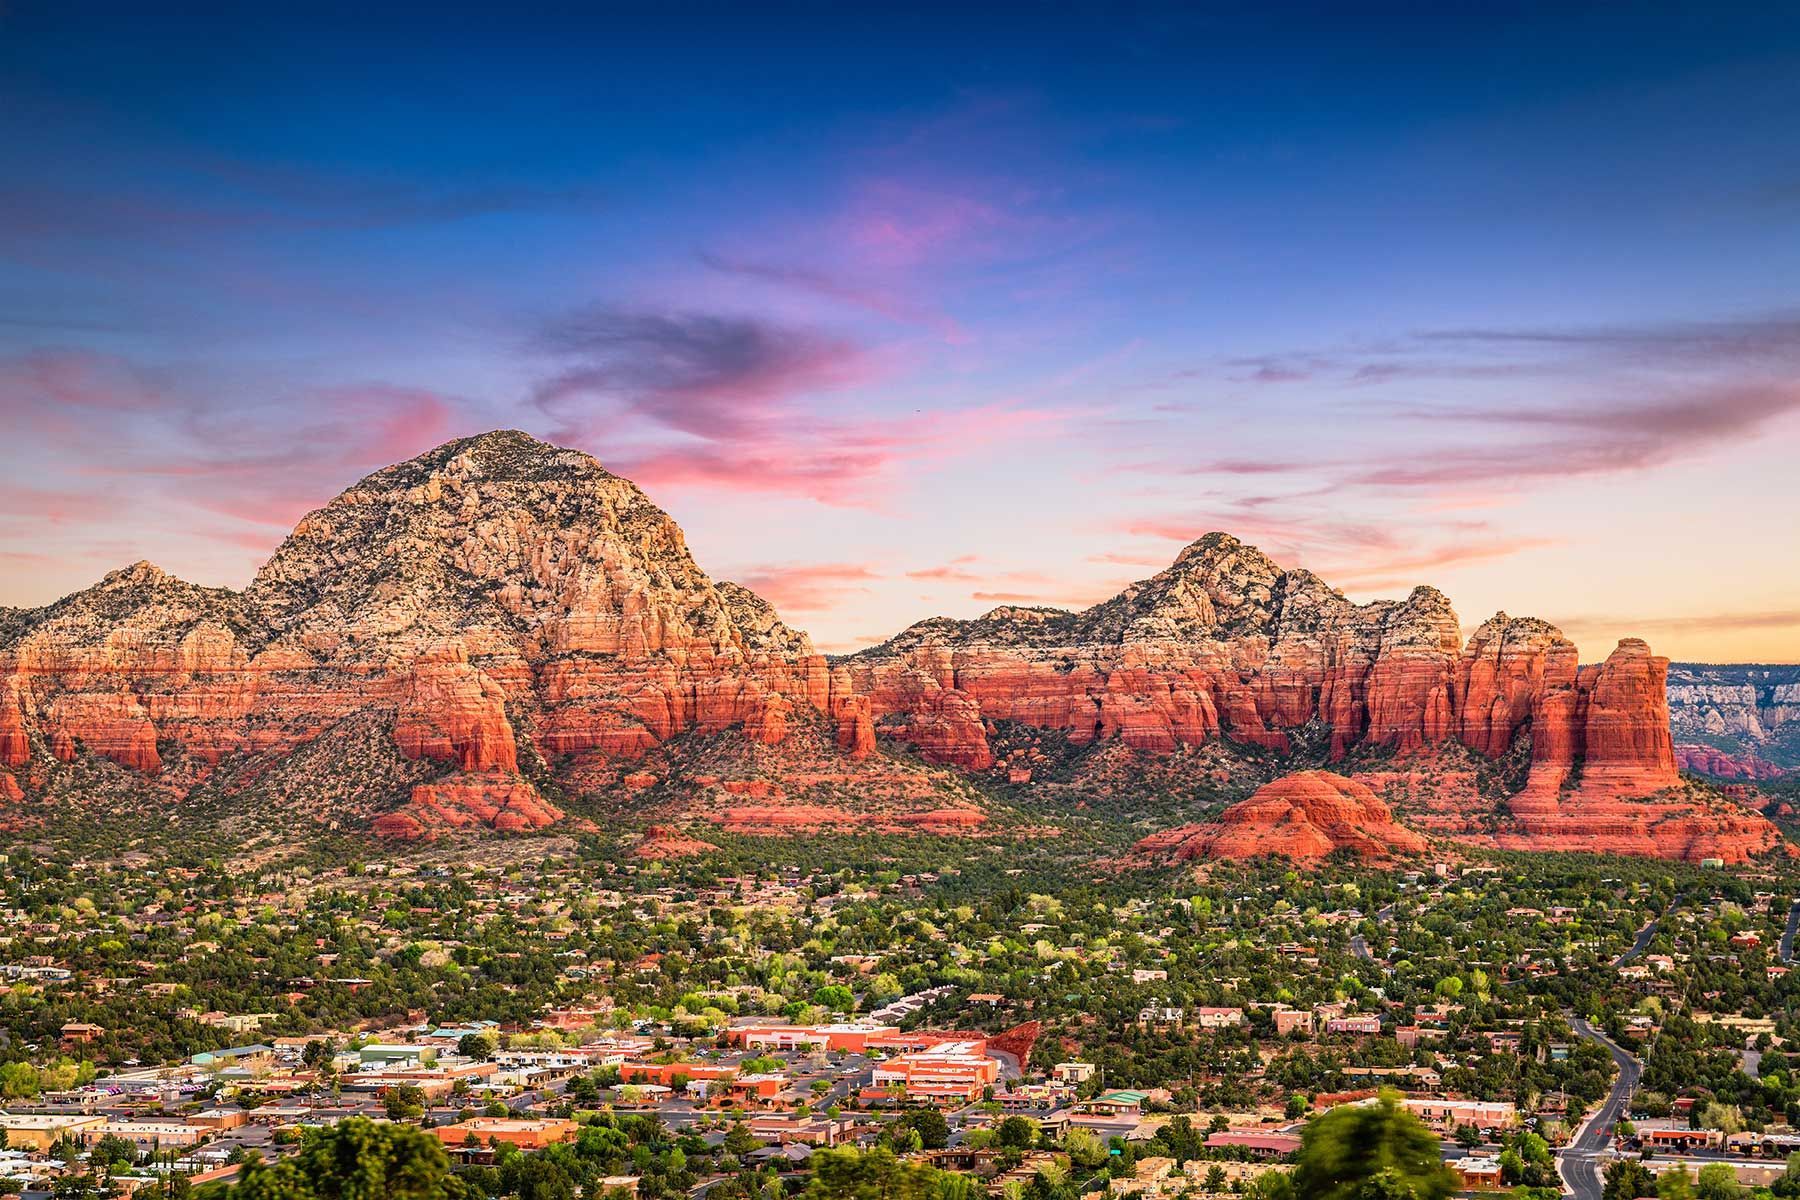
1581	1162
1787	936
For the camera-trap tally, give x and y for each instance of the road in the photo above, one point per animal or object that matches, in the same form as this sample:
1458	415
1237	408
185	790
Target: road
1582	1160
1359	945
1653	924
1787	937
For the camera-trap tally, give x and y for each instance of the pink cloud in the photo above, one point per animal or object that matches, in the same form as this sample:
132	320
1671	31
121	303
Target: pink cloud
710	376
175	457
809	587
843	463
887	299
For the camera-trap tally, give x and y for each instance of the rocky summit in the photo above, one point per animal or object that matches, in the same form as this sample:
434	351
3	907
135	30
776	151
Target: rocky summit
502	634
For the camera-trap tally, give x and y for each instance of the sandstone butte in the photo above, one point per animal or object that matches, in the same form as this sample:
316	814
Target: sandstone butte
1304	816
500	609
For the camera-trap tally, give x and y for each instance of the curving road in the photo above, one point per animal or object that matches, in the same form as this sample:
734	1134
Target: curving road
1359	945
1644	935
1787	937
1581	1162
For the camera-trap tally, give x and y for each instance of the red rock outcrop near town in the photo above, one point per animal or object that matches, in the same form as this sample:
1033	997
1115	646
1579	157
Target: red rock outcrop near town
1305	816
1720	764
499	607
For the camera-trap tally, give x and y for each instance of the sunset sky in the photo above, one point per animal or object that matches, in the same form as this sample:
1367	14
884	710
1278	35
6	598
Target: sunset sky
917	314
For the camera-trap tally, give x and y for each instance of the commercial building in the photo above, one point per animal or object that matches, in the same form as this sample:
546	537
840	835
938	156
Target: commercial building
40	1131
526	1135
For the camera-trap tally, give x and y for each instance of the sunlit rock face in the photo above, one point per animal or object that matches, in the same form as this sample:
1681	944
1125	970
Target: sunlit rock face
505	611
1305	816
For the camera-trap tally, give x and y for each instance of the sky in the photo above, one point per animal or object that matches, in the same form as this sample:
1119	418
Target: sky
905	311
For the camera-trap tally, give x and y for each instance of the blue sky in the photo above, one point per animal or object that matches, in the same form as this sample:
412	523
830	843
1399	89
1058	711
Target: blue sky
903	311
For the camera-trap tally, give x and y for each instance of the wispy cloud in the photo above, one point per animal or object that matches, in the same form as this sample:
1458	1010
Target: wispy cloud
1703	623
714	376
739	403
167	452
809	587
885	299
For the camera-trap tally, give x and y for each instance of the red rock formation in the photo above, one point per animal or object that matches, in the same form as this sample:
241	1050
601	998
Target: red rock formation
497	600
660	842
493	801
453	713
776	819
1017	1041
1304	816
1710	760
15	743
9	788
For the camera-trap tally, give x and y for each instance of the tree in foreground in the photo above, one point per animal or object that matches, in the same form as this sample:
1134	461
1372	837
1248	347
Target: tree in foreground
1627	1179
1375	1151
357	1159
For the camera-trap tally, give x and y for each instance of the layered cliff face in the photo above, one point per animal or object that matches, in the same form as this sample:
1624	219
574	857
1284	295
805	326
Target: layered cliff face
484	634
1226	643
1304	816
494	601
1736	722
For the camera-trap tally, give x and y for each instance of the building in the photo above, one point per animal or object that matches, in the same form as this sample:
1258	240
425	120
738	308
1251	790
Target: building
525	1134
852	1037
38	1132
1681	1139
80	1033
390	1054
1287	1020
1259	1145
1448	1114
1218	1018
149	1135
1477	1172
1115	1104
800	1131
251	1058
950	1071
1073	1072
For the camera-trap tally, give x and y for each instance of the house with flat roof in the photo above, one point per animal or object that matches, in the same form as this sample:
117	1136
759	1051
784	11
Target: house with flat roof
39	1131
525	1134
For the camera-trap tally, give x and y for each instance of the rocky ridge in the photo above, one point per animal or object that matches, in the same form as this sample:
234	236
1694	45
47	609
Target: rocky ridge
1736	722
488	633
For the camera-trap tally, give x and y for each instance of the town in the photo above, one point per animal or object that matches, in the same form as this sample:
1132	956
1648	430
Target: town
650	1027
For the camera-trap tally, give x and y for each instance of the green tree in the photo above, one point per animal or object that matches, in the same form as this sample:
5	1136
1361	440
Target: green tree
404	1101
1674	1185
538	1177
1627	1179
739	1140
1084	1148
1017	1133
1718	1181
1376	1151
113	1150
836	997
356	1159
933	1129
849	1174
